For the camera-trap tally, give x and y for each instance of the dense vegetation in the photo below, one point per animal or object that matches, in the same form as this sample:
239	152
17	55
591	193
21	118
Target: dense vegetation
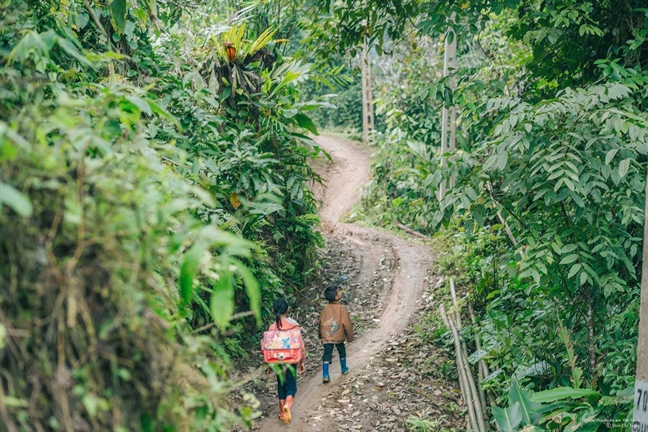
155	193
552	134
154	180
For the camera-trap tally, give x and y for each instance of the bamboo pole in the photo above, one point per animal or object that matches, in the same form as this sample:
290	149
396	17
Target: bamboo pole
444	149
452	59
482	363
480	424
367	102
452	147
482	368
453	292
448	116
449	61
412	232
479	407
457	314
461	371
462	382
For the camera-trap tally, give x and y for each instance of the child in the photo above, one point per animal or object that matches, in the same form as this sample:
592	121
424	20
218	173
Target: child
334	327
287	378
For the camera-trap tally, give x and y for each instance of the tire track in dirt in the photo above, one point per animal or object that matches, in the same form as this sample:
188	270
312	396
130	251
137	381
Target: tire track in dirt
345	178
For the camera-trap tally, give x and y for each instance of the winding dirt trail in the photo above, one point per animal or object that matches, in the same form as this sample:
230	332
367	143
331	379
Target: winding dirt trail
345	179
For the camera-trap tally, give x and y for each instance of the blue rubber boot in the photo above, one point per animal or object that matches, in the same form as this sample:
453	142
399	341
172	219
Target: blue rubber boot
345	368
325	376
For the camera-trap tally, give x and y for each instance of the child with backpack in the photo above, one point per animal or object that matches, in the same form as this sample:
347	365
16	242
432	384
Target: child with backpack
334	327
283	344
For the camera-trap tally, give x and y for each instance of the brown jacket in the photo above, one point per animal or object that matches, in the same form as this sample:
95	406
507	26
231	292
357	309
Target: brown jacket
335	325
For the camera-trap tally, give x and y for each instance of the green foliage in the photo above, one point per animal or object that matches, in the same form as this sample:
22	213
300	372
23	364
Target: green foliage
530	409
148	187
508	419
554	207
154	186
550	410
406	100
342	102
12	198
544	222
243	127
603	30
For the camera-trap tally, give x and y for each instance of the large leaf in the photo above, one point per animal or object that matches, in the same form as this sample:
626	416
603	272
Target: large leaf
502	159
265	208
560	393
508	419
261	41
18	202
610	155
188	270
118	9
623	167
232	244
140	103
222	299
306	122
531	410
251	288
69	48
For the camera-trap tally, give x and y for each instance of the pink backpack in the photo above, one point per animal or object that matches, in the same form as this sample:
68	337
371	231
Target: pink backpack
282	346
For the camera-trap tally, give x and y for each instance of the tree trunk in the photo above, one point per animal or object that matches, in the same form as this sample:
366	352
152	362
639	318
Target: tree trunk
590	332
367	102
448	116
444	149
640	414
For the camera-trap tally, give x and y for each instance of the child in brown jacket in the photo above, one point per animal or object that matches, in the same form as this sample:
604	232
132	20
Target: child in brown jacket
334	327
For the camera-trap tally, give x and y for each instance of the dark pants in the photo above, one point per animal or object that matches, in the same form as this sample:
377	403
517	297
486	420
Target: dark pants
287	381
328	352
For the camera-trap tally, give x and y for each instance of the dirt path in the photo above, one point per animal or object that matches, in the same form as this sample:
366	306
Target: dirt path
345	178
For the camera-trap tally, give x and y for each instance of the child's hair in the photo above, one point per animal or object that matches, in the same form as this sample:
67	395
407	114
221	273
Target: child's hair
280	307
331	293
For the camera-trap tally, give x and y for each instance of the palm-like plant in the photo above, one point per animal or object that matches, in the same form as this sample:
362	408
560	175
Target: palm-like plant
233	47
